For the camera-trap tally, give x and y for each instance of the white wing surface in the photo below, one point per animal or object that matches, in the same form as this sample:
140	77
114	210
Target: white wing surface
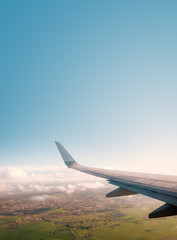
161	187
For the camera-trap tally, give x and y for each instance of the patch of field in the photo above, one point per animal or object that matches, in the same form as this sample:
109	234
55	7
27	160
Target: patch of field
127	224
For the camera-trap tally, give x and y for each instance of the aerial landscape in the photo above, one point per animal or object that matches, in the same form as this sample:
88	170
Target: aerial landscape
82	215
88	120
58	203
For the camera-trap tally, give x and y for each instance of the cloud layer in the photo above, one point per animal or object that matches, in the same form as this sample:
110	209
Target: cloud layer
46	179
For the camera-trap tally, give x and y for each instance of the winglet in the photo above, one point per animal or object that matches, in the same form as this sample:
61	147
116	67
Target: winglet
68	160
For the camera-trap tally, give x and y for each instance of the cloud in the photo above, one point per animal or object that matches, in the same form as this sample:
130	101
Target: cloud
16	180
71	188
13	172
40	198
91	185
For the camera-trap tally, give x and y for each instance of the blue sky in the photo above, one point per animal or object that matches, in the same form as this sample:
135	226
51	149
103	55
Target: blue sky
99	76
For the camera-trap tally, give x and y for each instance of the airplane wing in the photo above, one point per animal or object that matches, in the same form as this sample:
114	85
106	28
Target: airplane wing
161	187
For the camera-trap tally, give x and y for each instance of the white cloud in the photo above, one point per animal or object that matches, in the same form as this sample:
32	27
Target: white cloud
71	188
40	198
61	188
91	185
13	172
45	180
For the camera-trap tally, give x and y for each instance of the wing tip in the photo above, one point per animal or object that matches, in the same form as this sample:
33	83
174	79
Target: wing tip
67	158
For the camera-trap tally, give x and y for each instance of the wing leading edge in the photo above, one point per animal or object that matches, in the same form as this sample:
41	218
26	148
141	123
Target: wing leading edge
160	187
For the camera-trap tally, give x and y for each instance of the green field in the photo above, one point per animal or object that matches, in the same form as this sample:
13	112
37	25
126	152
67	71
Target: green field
129	223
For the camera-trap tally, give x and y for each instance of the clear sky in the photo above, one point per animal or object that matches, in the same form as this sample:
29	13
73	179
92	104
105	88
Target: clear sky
98	76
